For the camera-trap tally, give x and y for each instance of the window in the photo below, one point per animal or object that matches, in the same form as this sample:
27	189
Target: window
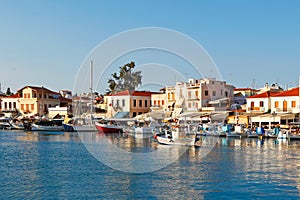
173	96
45	96
252	105
146	103
133	114
206	92
169	95
214	93
162	102
134	104
189	105
293	104
118	103
40	96
261	104
112	102
27	107
123	102
9	105
196	105
140	103
226	94
32	106
276	104
28	96
22	106
5	105
221	92
15	105
25	96
154	103
189	94
158	102
196	93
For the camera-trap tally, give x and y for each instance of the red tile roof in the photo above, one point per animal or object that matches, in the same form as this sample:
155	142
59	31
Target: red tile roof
263	95
39	89
132	93
288	93
12	96
244	89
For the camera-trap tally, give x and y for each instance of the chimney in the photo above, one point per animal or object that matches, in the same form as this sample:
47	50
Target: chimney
267	85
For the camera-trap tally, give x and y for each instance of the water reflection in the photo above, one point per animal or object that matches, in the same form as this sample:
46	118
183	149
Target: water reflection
35	165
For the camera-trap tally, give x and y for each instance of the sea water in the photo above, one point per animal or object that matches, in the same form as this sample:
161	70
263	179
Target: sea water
39	165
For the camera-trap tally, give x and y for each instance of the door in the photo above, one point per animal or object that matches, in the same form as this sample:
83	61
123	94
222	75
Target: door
284	106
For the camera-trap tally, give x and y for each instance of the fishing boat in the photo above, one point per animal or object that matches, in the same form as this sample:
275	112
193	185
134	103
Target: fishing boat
47	125
174	137
292	136
4	123
17	125
108	126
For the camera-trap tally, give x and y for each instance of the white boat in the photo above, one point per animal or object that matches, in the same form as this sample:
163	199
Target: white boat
282	135
5	123
175	141
84	124
17	125
292	136
48	125
174	137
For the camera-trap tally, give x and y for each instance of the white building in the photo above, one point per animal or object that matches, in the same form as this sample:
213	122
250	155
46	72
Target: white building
129	101
204	94
9	103
259	103
286	102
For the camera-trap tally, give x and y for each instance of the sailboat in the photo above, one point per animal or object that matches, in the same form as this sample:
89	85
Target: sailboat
87	123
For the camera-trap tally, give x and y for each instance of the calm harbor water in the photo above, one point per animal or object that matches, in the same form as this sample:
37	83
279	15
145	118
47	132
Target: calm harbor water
42	166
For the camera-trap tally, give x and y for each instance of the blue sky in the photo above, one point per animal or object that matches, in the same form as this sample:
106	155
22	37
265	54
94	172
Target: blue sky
45	42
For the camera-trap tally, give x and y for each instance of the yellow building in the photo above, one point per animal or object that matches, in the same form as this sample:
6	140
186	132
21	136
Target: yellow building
37	100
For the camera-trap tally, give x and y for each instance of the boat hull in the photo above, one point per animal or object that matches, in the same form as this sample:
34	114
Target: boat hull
179	141
104	128
35	127
85	128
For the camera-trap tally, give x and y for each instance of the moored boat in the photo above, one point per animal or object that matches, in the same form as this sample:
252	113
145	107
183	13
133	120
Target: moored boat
108	127
174	137
47	125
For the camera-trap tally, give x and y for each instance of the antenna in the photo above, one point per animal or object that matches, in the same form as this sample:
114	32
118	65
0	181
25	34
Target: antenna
253	84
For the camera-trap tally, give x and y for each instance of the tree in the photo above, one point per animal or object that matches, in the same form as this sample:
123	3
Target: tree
8	92
126	80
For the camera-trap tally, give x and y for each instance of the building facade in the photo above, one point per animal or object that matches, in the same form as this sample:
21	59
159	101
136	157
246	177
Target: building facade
37	100
130	101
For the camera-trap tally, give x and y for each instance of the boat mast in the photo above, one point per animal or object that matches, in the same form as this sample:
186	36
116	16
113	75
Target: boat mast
91	88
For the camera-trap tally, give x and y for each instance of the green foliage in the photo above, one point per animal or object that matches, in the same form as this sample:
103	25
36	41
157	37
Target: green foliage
126	80
8	92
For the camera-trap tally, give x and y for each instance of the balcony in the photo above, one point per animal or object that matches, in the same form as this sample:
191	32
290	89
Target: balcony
256	109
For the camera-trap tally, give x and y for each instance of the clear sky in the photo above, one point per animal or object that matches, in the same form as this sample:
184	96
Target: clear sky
43	43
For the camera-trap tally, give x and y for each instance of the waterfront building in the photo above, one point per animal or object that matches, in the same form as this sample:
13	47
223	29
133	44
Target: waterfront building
37	100
9	103
159	101
260	103
206	94
241	94
286	102
129	101
274	107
